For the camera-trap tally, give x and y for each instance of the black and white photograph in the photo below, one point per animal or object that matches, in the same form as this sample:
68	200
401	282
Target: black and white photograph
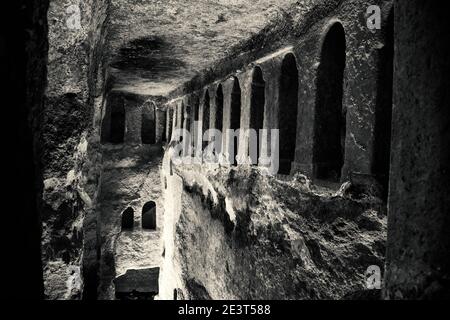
243	151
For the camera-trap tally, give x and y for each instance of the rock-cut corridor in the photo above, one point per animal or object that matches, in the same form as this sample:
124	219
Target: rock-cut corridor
328	179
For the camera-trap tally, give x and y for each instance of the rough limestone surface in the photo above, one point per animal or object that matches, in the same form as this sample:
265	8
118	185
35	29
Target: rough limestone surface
228	233
130	178
155	46
418	267
68	144
240	234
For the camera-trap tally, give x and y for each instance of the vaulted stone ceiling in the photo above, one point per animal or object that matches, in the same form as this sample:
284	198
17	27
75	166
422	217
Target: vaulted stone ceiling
157	45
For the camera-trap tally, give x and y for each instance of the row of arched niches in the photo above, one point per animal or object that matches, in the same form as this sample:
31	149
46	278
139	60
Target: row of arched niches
148	217
313	117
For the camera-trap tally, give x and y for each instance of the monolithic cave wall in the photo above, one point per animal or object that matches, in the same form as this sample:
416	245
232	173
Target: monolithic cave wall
418	263
232	232
130	248
69	140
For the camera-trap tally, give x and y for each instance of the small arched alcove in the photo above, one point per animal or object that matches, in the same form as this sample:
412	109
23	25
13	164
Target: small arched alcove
257	103
149	216
148	123
287	112
235	116
128	219
330	117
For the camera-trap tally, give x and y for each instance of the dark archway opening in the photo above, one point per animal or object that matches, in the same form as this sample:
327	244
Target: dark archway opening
329	127
257	102
148	124
383	114
181	119
287	113
128	219
137	284
149	216
169	122
117	131
235	116
197	111
182	111
206	115
219	109
196	125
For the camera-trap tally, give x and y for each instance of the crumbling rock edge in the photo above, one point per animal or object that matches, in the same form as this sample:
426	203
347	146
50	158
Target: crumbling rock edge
240	234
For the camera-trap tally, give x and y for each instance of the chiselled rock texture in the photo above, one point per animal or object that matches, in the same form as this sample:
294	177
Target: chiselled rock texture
121	220
69	143
238	234
130	178
155	46
418	267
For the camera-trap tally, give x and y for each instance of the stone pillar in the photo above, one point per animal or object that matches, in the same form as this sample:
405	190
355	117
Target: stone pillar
161	134
307	54
180	114
418	246
227	87
271	69
169	123
133	120
212	104
245	82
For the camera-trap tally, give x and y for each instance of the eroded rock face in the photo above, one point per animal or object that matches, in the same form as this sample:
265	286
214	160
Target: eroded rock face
137	284
287	237
238	234
155	46
418	260
130	179
69	145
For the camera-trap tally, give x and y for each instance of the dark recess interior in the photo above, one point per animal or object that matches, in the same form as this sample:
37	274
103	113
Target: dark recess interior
235	118
288	110
117	123
128	219
137	284
219	109
257	108
383	114
329	124
196	126
149	216
206	115
218	125
148	125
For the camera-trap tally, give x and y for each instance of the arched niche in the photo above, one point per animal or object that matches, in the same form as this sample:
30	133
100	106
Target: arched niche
330	116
